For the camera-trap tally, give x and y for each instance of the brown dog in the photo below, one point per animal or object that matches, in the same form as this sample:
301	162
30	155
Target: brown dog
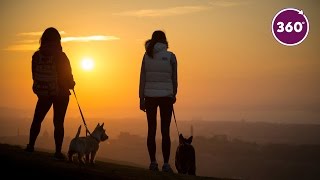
185	160
87	146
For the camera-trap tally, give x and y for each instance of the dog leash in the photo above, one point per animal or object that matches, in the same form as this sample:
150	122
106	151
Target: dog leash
175	120
84	122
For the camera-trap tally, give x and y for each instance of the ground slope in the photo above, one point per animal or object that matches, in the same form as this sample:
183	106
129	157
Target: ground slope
16	163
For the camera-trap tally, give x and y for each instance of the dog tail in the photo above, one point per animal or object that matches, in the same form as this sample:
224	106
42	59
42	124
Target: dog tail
78	133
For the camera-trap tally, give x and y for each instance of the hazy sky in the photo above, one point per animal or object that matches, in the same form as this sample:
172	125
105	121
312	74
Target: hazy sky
229	65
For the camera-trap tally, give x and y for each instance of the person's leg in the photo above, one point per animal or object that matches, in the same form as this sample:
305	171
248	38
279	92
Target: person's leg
60	105
42	108
165	115
151	110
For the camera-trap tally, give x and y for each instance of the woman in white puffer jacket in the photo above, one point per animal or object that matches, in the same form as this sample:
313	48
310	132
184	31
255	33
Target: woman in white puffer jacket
158	88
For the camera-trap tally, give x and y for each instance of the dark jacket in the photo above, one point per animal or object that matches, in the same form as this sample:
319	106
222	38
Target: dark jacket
65	79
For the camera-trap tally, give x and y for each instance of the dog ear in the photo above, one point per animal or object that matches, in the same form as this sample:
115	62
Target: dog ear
102	124
189	140
181	139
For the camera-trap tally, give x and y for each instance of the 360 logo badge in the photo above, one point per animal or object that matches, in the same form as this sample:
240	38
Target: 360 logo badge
290	26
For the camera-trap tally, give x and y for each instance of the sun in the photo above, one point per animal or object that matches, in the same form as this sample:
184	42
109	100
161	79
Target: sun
87	64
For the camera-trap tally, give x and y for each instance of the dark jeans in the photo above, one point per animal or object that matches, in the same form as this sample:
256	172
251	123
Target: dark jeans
60	104
165	106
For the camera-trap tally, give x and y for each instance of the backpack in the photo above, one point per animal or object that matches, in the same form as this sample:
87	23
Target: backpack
45	76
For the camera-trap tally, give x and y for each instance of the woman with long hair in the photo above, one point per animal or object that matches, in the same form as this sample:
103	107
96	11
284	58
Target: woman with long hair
158	88
52	81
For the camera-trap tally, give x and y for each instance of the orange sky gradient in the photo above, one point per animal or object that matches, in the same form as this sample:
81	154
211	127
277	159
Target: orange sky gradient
230	67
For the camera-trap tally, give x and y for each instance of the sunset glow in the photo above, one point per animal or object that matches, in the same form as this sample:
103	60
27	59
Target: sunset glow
229	65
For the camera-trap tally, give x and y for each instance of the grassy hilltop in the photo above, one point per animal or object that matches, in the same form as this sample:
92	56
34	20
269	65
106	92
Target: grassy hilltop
39	164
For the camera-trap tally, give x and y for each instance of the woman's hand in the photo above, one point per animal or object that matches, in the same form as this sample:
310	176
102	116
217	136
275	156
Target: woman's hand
174	99
142	105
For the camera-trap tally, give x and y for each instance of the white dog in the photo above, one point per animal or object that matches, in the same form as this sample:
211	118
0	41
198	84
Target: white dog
87	146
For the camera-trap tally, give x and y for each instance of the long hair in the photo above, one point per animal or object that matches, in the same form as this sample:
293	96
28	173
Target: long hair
50	39
157	36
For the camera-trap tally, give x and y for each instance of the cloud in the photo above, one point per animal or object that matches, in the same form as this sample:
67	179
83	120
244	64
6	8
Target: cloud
180	10
89	38
163	12
226	3
31	43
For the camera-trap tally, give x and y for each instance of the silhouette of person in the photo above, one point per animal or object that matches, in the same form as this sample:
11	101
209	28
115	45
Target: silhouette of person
52	81
158	88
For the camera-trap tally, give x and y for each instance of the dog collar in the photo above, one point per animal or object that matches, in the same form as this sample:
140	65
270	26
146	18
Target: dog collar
95	138
186	143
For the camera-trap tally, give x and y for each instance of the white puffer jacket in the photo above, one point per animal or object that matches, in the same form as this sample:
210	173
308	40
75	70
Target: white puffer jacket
158	72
